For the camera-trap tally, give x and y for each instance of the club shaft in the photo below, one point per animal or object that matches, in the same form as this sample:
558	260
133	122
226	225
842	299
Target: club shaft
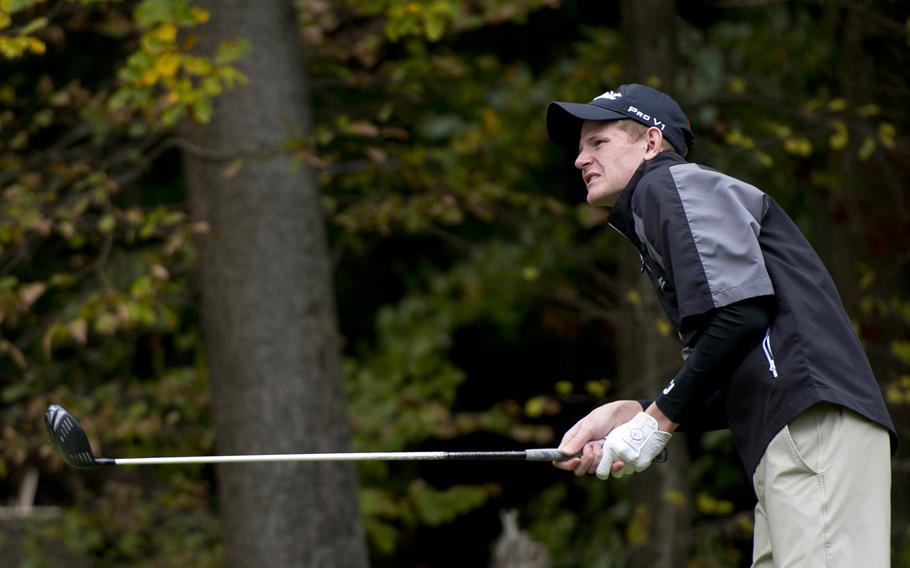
527	455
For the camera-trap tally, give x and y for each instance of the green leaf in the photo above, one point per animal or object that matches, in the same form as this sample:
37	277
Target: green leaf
232	51
901	350
107	223
436	507
202	109
33	26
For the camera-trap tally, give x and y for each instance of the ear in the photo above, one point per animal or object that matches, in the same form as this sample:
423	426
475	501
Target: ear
655	141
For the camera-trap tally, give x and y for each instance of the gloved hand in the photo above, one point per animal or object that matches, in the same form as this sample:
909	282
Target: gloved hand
635	443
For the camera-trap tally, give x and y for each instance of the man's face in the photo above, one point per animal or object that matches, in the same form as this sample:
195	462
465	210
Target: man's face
607	159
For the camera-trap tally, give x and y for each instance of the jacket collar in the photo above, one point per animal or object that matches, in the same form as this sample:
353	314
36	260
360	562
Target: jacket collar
620	217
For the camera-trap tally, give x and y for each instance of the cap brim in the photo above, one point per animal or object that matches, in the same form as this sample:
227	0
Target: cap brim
564	121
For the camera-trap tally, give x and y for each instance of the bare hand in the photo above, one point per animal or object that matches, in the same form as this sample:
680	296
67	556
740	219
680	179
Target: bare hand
585	438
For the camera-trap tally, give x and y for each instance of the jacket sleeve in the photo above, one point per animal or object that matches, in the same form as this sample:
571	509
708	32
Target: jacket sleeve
731	332
709	415
703	228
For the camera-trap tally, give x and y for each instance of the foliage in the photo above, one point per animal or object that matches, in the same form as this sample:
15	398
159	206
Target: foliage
95	276
165	82
402	392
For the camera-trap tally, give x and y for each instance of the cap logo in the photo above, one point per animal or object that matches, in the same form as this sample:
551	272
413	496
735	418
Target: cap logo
612	95
646	117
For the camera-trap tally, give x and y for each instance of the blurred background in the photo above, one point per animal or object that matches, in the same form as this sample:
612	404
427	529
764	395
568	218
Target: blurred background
246	227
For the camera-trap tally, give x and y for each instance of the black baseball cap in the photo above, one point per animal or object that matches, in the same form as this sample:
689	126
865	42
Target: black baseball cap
638	102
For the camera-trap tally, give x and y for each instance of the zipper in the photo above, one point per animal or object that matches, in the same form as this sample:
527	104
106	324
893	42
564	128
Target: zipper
769	355
641	256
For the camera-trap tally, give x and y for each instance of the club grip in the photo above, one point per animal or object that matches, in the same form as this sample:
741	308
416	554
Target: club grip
553	454
545	455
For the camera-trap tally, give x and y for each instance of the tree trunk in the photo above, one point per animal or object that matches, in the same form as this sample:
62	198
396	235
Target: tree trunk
268	309
648	358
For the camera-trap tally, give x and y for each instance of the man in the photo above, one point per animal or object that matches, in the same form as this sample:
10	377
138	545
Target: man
769	350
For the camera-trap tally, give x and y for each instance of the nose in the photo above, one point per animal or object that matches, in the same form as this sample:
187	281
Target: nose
582	160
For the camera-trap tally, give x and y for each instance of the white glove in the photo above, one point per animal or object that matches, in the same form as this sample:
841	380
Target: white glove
636	443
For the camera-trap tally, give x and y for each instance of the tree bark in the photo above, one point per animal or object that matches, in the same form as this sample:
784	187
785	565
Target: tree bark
647	357
268	310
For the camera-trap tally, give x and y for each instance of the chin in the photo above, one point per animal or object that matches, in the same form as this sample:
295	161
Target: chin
599	200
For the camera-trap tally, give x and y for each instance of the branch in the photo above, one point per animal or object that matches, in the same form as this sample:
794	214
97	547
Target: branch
18	29
884	22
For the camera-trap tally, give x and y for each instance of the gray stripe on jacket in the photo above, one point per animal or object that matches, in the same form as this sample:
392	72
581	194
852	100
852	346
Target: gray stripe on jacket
724	216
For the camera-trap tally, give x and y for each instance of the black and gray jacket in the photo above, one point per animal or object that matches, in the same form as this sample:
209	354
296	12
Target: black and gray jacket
707	241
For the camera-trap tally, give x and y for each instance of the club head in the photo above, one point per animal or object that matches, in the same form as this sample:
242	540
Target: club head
68	438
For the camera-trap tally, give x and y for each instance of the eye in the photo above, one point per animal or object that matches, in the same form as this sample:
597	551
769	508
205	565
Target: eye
592	143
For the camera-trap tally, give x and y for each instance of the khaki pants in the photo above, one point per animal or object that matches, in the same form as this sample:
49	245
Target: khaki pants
824	493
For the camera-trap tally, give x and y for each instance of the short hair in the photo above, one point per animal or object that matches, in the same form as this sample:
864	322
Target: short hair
636	130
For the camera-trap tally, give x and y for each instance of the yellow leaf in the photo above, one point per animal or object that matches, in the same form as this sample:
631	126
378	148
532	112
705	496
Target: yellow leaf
530	273
737	85
167	64
35	45
735	137
766	159
868	110
491	121
663	328
633	297
597	388
867	276
840	138
901	350
534	407
107	223
780	130
837	105
197	65
165	33
12	47
563	387
746	524
886	133
637	532
708	505
149	77
675	498
866	150
199	15
798	146
894	395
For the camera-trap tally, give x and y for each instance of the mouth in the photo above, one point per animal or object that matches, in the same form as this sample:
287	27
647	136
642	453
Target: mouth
591	178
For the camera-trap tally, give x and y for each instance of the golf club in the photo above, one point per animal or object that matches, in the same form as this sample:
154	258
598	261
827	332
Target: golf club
69	439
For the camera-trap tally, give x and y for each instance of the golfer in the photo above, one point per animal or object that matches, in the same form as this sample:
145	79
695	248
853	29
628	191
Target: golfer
769	351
